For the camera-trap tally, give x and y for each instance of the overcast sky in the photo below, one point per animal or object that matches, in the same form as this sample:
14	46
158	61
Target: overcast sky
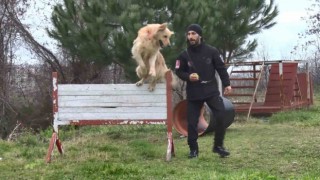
276	42
279	41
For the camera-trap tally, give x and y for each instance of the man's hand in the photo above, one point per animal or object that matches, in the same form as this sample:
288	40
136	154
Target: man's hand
227	90
194	77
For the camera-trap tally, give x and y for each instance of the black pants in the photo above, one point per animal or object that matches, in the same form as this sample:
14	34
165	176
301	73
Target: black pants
216	105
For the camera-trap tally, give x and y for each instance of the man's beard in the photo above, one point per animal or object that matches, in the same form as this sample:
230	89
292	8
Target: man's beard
193	42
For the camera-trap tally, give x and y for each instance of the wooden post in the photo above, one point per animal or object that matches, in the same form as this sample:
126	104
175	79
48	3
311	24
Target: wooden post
281	83
308	84
51	147
54	139
170	147
55	99
255	90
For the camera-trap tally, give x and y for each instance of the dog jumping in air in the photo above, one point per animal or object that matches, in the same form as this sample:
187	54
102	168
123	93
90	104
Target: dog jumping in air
146	52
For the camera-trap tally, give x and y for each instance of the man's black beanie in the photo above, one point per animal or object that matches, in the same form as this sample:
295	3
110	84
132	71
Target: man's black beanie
196	28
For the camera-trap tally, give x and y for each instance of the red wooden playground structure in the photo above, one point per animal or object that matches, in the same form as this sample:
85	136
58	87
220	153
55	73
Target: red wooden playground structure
286	86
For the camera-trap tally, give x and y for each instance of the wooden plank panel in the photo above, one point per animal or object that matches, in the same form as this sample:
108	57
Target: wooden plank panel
278	89
243	79
246	71
111	104
120	116
274	97
289	70
70	100
109	93
111	101
303	86
285	76
116	122
274	87
113	110
235	94
242	87
108	89
277	83
124	98
285	70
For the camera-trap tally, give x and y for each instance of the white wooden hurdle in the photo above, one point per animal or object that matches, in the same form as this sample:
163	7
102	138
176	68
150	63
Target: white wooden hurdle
110	104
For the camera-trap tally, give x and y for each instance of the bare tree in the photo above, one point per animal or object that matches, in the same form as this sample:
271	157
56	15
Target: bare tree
20	89
311	39
8	35
41	51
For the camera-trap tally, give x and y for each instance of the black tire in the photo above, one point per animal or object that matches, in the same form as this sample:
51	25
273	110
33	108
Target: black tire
229	115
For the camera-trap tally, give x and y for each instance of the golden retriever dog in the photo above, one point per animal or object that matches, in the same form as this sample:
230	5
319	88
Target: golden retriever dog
146	52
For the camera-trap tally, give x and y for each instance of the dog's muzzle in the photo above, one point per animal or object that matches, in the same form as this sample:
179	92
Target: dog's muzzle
161	43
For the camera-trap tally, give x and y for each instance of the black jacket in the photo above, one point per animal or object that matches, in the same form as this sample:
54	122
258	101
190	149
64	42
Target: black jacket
204	60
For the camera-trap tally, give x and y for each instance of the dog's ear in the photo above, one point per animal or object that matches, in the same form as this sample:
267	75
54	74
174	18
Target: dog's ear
163	27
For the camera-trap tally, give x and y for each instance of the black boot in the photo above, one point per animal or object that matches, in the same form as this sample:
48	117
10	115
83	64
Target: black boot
193	154
221	151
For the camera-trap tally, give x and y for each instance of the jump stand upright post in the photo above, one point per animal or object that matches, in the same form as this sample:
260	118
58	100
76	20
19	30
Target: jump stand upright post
110	104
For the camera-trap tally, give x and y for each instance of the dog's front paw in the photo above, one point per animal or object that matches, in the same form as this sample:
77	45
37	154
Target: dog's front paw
151	88
139	83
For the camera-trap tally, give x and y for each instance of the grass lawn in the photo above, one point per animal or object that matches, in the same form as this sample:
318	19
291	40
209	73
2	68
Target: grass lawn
283	146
